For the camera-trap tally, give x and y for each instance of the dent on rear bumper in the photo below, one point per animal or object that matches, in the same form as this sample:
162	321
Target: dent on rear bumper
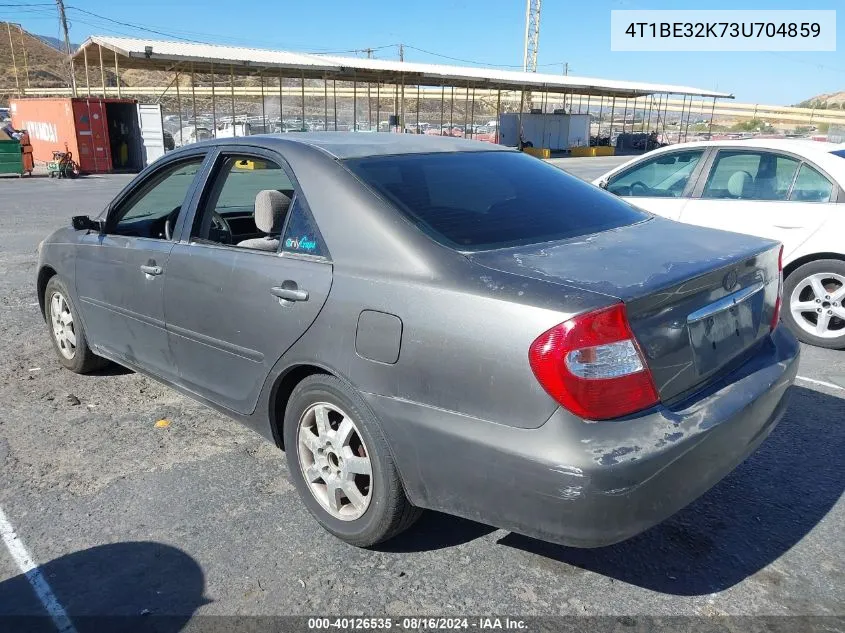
588	484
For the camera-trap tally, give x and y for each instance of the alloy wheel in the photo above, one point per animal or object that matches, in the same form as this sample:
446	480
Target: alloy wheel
816	304
335	461
61	319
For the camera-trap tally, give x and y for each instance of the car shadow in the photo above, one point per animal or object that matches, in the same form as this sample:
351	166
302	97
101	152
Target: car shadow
748	520
434	531
111	369
132	587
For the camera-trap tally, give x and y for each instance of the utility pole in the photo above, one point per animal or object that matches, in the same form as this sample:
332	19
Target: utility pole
566	68
532	44
63	19
401	52
532	35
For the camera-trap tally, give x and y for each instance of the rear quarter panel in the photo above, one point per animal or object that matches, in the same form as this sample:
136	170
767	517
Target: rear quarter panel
464	341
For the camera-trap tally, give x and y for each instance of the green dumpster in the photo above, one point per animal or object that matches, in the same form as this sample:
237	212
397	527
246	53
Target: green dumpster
11	158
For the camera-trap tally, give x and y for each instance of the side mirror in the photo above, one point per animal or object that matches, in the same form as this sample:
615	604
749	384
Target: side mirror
84	223
603	184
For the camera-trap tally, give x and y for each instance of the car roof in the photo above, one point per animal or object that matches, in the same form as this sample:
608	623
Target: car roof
359	145
797	145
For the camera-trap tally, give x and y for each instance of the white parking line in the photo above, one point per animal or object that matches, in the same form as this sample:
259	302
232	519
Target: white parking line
813	381
33	574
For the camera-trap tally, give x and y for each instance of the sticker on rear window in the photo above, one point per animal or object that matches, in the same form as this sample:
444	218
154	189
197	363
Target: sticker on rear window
304	243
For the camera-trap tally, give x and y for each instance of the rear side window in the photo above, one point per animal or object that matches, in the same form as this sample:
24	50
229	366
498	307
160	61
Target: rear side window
301	234
811	186
487	200
744	175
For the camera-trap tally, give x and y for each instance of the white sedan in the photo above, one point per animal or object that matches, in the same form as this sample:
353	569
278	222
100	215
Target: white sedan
788	190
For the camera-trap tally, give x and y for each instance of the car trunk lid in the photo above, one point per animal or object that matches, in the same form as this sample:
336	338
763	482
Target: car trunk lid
698	300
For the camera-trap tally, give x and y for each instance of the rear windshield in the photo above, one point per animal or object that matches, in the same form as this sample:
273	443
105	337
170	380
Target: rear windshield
487	200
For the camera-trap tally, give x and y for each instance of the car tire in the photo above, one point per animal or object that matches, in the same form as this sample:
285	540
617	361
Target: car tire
66	330
812	291
382	510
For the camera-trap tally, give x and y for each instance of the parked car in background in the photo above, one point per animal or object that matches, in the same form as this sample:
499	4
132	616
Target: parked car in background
426	322
792	191
190	134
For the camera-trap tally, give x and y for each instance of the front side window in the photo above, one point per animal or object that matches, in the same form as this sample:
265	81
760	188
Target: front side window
664	176
811	186
493	199
744	175
245	204
156	201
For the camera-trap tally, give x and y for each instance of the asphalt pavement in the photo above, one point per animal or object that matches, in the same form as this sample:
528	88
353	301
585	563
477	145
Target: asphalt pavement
121	516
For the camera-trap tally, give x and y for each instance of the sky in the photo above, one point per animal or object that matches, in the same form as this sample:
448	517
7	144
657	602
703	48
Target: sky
486	33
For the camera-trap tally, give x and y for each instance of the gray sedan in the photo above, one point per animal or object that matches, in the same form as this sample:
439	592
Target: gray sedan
425	322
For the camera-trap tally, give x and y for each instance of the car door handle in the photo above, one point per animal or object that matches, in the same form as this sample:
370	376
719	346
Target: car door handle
151	270
290	294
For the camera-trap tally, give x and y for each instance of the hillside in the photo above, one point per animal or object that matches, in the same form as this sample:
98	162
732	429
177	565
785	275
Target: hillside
828	101
47	67
55	42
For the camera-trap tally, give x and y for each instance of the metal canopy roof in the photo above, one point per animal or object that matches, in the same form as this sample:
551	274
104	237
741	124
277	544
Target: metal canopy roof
172	55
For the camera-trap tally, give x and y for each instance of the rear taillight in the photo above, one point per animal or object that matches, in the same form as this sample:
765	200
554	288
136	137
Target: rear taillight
593	366
779	300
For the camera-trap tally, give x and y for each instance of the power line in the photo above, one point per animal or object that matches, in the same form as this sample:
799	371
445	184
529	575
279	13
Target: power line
475	62
132	26
174	34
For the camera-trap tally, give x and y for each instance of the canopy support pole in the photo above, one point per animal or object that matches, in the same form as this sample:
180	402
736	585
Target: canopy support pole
117	75
451	111
378	103
442	107
354	102
402	107
263	107
681	120
213	101
281	102
601	111
498	112
472	115
179	109
418	108
625	115
303	100
325	104
466	111
334	96
102	71
689	116
87	77
544	102
712	112
193	93
612	111
232	95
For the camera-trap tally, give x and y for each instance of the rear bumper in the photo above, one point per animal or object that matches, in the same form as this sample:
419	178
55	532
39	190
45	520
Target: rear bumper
589	484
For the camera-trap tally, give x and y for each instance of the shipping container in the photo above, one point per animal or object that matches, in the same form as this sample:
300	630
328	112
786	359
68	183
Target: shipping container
103	135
